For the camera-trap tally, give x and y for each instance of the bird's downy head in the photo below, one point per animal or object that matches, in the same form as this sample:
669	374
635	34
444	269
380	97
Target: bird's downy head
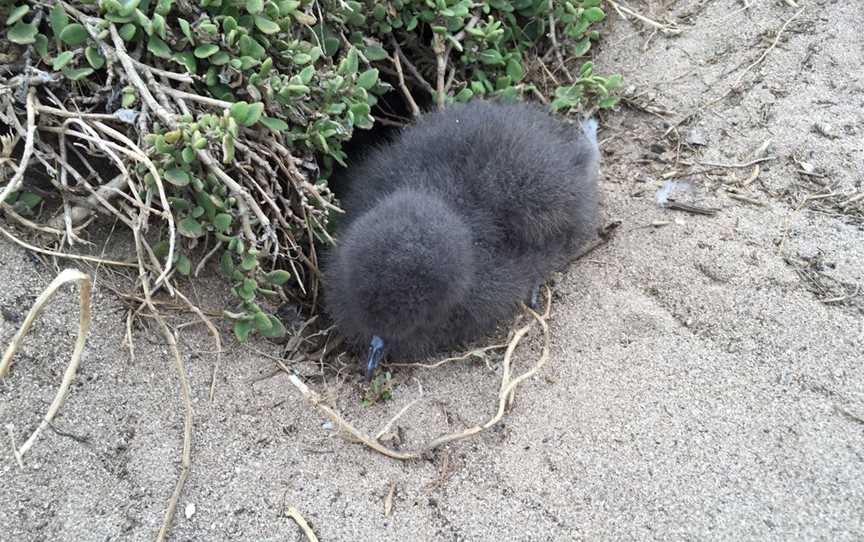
399	270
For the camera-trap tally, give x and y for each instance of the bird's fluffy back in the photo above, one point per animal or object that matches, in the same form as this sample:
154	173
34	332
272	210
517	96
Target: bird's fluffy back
520	181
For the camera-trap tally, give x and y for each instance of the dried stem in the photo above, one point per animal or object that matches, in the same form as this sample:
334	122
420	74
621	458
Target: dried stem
66	276
505	396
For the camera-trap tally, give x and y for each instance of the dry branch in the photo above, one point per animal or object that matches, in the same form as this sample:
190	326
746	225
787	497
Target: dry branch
66	276
504	399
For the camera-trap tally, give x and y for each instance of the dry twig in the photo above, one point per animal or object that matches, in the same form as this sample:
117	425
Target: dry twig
66	276
505	396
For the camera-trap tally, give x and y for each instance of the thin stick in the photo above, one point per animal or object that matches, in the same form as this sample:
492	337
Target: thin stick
294	514
66	276
477	352
441	72
65	255
186	454
669	30
739	166
16	179
764	55
399	414
415	110
505	394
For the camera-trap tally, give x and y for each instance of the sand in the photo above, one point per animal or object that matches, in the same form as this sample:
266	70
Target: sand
702	384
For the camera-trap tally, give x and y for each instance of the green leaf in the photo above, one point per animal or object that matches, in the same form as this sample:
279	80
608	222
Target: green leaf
350	63
255	112
28	200
276	330
239	111
254	6
608	102
331	45
158	25
177	176
242	329
187	59
581	47
62	59
262	323
158	47
163	7
73	34
515	70
77	73
59	19
127	7
128	99
278	277
183	265
222	222
226	263
17	14
94	57
206	50
464	95
594	14
277	125
190	227
375	52
265	25
368	78
127	31
41	46
22	33
490	57
614	82
250	47
249	262
186	29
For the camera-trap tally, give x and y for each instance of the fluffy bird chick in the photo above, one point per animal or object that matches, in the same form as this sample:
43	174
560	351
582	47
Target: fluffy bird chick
455	222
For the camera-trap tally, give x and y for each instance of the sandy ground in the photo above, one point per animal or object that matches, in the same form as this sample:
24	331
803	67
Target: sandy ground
705	380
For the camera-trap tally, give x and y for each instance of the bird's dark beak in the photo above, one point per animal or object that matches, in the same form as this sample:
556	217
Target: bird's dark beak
376	352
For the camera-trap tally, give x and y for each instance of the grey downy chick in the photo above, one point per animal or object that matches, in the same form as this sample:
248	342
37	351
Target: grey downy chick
456	221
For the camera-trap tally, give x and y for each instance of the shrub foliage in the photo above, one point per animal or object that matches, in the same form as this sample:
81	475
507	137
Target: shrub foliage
219	121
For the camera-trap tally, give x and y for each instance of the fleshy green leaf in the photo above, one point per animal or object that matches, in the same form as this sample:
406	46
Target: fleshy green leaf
61	60
265	25
262	323
17	14
278	277
277	125
77	73
375	52
206	50
594	14
177	176
222	222
242	329
368	78
276	330
515	70
350	63
73	34
226	263
183	265
190	227
22	33
158	47
94	57
254	6
127	31
254	114
59	19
